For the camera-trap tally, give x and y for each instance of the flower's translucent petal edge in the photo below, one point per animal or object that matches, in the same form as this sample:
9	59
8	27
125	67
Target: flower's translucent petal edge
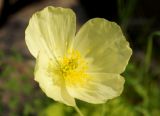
52	30
103	43
99	88
50	81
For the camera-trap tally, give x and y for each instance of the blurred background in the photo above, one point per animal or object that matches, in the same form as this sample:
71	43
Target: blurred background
20	95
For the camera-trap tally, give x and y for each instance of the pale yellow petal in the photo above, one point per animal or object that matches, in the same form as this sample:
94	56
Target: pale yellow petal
103	43
47	75
51	30
99	88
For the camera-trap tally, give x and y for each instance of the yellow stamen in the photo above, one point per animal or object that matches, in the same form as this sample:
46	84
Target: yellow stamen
73	68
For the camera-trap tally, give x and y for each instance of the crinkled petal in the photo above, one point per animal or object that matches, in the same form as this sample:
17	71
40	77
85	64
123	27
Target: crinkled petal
52	30
103	43
50	81
99	88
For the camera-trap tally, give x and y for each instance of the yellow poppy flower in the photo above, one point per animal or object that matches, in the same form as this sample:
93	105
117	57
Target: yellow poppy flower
85	66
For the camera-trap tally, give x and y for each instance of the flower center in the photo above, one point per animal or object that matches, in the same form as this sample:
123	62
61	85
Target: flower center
73	68
69	65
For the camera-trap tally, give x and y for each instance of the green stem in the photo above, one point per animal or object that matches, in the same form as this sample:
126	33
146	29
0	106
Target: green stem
149	50
78	111
103	110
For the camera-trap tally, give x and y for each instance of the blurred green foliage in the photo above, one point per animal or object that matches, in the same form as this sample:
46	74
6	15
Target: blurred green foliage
20	95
